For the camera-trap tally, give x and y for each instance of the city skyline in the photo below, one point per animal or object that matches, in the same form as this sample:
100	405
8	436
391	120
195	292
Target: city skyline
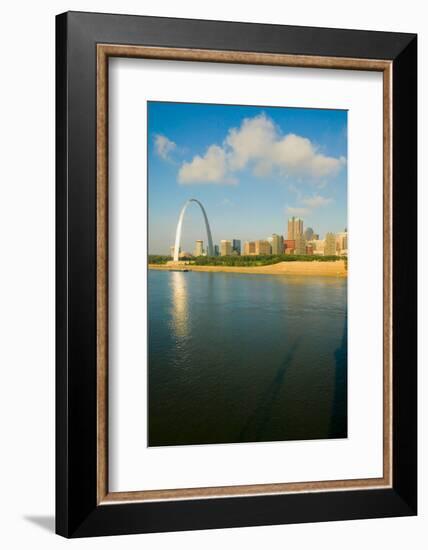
331	244
253	168
297	240
295	233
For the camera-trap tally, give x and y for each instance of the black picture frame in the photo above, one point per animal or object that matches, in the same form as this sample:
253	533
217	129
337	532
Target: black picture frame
77	511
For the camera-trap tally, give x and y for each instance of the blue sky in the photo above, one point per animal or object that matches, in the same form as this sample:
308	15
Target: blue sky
251	167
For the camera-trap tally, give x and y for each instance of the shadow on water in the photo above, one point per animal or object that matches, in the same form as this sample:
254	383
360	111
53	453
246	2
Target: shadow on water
339	412
254	428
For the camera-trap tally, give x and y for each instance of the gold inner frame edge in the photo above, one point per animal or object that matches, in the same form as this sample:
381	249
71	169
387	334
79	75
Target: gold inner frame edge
104	52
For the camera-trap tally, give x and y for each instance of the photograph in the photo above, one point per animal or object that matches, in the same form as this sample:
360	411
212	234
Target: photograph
247	273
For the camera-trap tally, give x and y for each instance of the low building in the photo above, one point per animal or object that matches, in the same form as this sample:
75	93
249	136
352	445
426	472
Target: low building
300	248
289	246
330	245
199	248
185	254
342	243
249	248
236	247
263	248
277	244
225	248
317	246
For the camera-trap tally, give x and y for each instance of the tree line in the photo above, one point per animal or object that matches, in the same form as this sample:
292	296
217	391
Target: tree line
247	261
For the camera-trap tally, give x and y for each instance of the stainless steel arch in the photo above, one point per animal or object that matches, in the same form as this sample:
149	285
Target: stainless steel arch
179	226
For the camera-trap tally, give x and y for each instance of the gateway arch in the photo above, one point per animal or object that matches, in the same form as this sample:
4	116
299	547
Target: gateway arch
179	226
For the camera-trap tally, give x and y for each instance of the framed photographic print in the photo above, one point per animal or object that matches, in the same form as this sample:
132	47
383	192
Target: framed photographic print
236	274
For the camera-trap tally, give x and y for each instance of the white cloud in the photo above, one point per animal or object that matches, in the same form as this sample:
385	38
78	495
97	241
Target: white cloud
211	168
258	144
252	141
316	201
164	146
299	155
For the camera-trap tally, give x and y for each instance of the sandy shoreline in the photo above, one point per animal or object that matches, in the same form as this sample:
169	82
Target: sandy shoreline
328	269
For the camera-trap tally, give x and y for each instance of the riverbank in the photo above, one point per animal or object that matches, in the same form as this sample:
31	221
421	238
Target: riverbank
327	269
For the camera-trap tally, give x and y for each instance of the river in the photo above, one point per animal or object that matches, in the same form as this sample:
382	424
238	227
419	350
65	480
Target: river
239	358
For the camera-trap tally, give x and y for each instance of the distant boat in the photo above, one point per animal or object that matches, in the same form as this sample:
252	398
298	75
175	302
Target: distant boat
180	270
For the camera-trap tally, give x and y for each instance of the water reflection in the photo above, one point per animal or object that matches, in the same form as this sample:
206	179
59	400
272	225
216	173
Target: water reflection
235	358
179	305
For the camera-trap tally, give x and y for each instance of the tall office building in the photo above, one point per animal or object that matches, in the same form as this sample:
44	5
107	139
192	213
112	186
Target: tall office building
249	248
216	250
199	248
300	248
277	244
263	248
294	228
236	247
225	247
330	245
308	234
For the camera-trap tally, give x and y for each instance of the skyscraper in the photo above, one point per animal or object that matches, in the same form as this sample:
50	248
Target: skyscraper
236	246
277	244
294	228
309	234
216	250
225	247
199	248
330	244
